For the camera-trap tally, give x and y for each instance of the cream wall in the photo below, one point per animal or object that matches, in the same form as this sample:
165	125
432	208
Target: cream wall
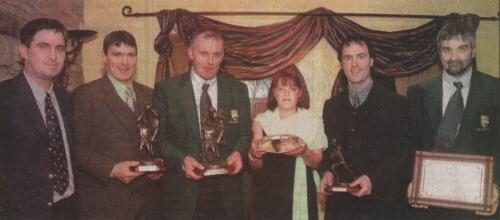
319	66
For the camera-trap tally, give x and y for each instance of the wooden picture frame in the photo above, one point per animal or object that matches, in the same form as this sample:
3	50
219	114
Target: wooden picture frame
454	181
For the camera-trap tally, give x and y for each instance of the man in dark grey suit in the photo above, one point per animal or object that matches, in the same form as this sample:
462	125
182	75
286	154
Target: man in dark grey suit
106	138
475	129
187	194
36	176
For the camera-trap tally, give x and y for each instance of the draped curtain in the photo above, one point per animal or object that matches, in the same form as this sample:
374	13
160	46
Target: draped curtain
259	52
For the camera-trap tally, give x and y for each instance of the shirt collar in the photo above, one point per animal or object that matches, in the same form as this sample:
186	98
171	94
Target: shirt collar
464	78
200	81
38	91
119	85
363	94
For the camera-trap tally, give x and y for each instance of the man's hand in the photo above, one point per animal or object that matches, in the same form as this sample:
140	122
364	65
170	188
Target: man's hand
326	181
365	184
493	201
190	167
234	162
122	172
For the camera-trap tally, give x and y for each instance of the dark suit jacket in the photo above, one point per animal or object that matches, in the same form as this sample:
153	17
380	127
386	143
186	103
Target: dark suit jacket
472	138
483	100
105	134
25	189
376	143
180	136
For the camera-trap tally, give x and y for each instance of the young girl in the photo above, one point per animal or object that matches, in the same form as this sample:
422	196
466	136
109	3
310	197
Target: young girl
283	184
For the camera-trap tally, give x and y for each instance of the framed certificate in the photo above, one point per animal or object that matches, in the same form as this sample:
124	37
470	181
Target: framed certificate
454	181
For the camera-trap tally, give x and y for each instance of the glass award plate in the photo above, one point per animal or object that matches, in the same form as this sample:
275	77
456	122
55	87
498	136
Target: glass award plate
280	143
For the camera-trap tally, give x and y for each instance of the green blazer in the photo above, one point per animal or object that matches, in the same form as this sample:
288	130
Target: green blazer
180	137
473	138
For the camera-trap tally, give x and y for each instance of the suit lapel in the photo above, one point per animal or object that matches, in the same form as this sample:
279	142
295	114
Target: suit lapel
222	94
65	108
27	104
140	102
434	100
189	105
117	106
473	100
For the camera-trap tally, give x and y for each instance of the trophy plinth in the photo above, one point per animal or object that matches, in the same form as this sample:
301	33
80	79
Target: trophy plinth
343	187
147	129
214	169
154	166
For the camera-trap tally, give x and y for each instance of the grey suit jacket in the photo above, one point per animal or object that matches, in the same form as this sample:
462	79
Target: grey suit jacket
105	134
473	138
180	136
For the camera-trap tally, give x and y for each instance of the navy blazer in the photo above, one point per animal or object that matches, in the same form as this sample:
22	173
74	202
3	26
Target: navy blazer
25	189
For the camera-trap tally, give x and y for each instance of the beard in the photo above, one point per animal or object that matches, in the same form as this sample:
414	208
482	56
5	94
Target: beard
457	67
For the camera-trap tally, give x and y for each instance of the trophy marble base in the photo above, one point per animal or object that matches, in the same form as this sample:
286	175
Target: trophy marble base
215	168
343	187
149	167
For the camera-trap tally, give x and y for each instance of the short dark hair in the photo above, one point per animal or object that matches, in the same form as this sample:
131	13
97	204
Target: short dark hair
355	40
456	30
206	33
290	76
31	28
116	38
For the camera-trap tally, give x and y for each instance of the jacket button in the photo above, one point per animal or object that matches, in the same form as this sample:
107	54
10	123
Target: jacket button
50	204
353	130
51	176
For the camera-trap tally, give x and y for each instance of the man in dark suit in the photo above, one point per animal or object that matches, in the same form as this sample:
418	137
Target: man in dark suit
476	129
370	123
106	138
36	176
187	194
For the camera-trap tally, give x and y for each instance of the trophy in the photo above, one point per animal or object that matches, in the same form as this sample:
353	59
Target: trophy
212	141
337	157
280	143
147	128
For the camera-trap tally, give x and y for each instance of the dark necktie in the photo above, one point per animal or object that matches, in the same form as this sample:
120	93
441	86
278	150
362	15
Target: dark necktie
355	101
205	103
59	164
448	128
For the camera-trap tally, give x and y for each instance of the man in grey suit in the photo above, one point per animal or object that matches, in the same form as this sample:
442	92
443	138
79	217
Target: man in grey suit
107	143
187	194
36	135
472	126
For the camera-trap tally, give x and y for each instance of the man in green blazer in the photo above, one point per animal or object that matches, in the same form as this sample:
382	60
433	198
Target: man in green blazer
478	130
186	193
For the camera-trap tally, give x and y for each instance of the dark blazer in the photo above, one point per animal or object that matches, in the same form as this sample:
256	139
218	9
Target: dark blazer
180	136
472	138
483	100
25	189
105	134
376	143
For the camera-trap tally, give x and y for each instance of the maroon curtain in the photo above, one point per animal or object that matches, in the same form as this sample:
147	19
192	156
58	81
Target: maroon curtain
258	52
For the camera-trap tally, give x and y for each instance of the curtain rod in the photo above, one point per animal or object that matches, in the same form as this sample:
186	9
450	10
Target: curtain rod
127	12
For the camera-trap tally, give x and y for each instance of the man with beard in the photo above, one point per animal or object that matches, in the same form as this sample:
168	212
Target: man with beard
457	111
